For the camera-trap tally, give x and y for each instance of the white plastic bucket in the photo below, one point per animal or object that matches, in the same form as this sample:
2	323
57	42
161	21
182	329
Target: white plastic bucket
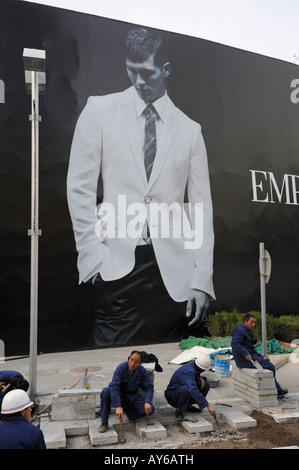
222	365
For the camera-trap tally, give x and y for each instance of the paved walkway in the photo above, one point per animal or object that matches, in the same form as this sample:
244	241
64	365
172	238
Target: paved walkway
60	371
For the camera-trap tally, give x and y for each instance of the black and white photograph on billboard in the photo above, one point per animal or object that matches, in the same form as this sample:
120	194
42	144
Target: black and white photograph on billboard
147	263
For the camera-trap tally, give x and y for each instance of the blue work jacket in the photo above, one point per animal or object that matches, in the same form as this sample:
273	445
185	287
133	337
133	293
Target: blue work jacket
17	433
7	375
186	376
242	345
128	383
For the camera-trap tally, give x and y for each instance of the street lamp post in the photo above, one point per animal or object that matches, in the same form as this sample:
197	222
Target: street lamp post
35	77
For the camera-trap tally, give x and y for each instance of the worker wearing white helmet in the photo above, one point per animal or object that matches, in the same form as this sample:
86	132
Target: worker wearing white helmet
16	431
187	387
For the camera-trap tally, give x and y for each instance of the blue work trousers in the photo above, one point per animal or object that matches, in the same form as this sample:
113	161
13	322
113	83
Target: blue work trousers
133	406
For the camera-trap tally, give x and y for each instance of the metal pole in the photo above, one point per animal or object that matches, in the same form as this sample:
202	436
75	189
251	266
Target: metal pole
34	232
265	271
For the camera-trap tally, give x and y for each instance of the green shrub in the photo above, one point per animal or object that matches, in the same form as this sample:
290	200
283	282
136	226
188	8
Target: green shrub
284	328
287	328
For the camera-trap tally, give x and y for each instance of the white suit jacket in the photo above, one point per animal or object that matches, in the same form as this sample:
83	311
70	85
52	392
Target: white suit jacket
107	142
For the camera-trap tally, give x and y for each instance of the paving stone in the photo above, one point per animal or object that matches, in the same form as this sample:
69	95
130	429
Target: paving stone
54	434
283	417
152	430
105	438
238	419
74	405
256	386
263	395
257	373
255	382
76	428
201	425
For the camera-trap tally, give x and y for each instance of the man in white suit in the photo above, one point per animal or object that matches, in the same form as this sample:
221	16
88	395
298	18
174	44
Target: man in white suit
148	286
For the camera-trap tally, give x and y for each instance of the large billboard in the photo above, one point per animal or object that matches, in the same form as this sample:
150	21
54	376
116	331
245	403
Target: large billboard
246	184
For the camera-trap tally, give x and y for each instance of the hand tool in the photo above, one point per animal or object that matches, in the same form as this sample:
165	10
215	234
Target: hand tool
216	421
123	440
192	420
7	386
256	364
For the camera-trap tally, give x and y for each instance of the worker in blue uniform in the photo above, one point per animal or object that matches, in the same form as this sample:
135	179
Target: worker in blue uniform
122	392
188	387
244	354
10	380
16	431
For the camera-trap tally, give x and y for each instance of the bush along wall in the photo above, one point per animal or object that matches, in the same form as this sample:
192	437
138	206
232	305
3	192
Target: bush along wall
283	328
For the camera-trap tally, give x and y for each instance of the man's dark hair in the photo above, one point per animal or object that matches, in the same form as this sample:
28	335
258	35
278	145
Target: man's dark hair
20	383
248	316
135	352
142	42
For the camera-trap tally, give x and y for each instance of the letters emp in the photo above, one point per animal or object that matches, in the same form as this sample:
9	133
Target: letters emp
266	189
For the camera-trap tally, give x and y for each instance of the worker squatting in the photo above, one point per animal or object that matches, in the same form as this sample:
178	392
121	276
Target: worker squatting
156	459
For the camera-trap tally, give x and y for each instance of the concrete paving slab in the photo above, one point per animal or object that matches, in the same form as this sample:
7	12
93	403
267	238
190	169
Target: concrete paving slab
238	420
257	383
256	373
73	406
151	430
54	434
283	415
201	425
106	438
256	395
76	428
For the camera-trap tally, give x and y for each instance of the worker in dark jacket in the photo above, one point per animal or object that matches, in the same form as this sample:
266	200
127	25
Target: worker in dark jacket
16	431
122	392
10	380
187	387
244	353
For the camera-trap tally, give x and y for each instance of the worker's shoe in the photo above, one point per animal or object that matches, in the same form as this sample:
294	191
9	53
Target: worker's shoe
179	413
282	393
103	427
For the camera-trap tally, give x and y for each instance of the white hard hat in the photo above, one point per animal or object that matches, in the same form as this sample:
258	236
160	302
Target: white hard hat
203	362
14	401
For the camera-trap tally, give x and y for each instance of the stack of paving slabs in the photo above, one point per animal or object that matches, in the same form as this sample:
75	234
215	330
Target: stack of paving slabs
256	386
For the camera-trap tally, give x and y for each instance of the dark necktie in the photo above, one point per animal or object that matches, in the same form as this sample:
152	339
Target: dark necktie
150	142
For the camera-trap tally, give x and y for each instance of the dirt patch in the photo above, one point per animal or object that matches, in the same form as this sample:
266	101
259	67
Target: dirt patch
266	435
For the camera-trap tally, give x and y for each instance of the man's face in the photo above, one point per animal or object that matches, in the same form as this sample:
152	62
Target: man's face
148	78
250	324
134	362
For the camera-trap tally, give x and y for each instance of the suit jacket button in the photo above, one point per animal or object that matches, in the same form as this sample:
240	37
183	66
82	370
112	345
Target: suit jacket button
148	199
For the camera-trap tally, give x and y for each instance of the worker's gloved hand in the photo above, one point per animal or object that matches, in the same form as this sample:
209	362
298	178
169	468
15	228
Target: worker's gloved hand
201	302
